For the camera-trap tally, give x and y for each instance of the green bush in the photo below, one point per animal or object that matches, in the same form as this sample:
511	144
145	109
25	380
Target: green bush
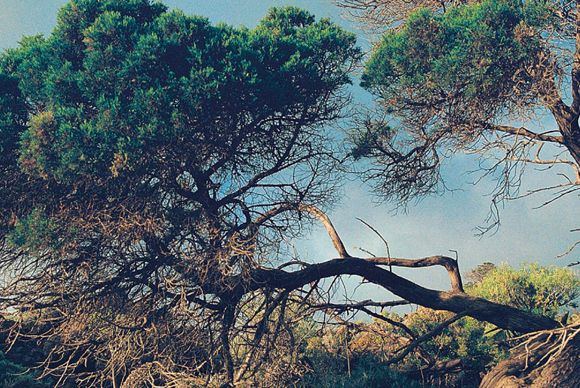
17	376
368	372
341	357
542	290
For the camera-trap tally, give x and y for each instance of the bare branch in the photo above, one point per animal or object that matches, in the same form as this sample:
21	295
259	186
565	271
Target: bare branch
382	238
502	316
449	263
425	337
522	132
323	218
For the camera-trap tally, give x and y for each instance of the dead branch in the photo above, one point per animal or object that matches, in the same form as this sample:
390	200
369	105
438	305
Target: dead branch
449	263
455	301
382	238
535	353
425	337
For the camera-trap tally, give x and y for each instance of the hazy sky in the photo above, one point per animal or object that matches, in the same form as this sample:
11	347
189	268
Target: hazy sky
434	226
28	17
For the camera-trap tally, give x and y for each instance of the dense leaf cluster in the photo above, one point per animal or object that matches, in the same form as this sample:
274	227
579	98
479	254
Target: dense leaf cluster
442	79
152	165
144	154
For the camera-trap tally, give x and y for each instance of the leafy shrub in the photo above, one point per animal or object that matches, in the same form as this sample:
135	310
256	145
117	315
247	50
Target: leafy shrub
541	290
368	372
340	357
17	376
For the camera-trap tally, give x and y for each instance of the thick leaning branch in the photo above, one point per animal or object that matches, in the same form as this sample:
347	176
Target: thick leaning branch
450	264
370	269
313	211
502	316
359	305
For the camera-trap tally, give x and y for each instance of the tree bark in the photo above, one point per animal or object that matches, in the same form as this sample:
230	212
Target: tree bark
502	316
548	359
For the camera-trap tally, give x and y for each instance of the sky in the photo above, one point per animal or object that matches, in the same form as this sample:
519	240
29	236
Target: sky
434	226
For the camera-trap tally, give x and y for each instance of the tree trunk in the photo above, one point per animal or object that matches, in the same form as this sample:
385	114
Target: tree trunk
547	359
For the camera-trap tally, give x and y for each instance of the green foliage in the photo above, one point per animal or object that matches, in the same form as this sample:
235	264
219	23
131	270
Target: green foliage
35	232
125	93
368	373
480	272
12	117
473	53
541	290
124	80
338	357
16	376
548	290
444	80
145	151
464	339
365	142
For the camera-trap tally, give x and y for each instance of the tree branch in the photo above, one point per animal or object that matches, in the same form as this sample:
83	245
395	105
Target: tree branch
449	263
523	132
576	67
416	342
505	317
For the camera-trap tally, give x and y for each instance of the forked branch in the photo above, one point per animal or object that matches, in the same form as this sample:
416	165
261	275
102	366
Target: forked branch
371	270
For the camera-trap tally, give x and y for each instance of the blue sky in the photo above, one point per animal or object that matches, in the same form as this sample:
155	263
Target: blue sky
433	226
28	17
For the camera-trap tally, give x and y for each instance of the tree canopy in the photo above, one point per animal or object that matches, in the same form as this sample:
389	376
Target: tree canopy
142	151
153	165
478	78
